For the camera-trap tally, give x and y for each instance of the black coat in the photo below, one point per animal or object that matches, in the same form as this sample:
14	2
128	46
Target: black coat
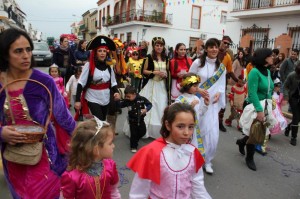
58	57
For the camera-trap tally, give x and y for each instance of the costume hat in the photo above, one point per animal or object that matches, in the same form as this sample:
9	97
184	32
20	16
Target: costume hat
101	40
156	39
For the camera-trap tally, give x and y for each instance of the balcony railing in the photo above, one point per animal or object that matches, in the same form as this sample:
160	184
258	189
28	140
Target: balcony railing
257	4
139	15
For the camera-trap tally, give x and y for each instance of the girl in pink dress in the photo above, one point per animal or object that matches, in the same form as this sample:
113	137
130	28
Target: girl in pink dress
91	172
169	167
59	81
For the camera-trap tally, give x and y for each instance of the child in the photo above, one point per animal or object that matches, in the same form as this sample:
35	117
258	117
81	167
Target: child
138	106
91	172
71	86
169	167
236	99
189	86
59	81
135	65
278	98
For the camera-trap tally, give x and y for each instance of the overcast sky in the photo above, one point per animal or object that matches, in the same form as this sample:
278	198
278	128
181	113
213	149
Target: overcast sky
54	17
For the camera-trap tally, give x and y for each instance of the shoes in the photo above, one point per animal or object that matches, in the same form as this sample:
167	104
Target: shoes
227	122
241	146
221	127
239	128
208	169
293	141
133	150
287	131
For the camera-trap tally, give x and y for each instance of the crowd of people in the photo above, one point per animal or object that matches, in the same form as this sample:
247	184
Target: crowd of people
176	97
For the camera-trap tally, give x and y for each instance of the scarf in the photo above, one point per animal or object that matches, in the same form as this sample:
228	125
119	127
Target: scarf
263	70
95	169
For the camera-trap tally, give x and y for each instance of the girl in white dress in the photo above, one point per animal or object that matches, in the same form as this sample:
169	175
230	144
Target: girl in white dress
213	82
157	88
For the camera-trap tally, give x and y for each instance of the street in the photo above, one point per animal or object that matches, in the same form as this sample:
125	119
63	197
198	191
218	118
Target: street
277	175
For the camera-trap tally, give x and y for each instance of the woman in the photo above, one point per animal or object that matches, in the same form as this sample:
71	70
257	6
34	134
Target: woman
157	89
260	87
238	64
63	56
179	66
281	58
81	54
16	61
143	49
97	80
292	95
209	68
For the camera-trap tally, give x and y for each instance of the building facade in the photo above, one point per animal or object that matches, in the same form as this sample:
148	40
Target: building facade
178	22
265	23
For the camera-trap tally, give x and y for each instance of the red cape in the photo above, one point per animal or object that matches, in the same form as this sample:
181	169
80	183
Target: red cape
146	162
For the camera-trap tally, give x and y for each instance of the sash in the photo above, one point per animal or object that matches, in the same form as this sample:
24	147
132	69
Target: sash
213	79
200	146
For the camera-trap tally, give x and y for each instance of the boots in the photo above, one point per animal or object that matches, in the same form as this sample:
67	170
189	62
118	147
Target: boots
294	135
250	155
287	130
221	127
242	142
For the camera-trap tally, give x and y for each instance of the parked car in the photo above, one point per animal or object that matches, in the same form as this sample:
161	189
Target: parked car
41	53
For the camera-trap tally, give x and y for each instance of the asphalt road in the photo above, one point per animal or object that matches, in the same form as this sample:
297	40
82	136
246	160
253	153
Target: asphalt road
277	175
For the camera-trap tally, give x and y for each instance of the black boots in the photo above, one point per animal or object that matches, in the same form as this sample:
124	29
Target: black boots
294	135
287	130
221	127
242	142
250	155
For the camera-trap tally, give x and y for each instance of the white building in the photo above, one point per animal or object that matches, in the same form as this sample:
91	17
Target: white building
265	23
176	21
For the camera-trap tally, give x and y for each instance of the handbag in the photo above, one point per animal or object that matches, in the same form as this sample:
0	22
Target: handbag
29	152
26	154
257	133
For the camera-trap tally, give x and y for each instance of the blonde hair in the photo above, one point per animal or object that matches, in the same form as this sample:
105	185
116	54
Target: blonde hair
83	142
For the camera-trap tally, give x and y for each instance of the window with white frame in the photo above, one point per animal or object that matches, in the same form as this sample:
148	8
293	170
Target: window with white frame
196	17
223	17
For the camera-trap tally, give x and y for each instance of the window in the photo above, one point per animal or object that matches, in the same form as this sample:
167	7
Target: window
122	37
223	17
260	36
294	32
129	36
193	41
196	17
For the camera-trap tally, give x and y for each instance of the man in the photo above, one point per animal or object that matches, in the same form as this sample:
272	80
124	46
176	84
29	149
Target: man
225	58
288	65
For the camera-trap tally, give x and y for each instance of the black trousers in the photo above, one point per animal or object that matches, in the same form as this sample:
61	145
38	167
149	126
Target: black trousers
295	106
97	110
136	133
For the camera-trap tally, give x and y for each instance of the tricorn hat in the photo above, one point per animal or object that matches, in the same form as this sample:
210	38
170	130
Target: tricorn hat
101	40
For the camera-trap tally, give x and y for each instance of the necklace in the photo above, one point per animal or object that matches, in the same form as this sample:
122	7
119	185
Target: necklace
97	195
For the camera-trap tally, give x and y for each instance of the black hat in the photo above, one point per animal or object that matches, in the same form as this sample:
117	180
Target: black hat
101	40
156	39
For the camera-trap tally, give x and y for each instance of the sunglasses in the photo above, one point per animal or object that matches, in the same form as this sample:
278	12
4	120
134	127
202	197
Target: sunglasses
227	43
135	54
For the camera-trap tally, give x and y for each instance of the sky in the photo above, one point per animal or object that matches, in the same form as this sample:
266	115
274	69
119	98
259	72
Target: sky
54	17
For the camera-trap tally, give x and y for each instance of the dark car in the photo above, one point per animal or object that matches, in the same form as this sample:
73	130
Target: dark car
41	53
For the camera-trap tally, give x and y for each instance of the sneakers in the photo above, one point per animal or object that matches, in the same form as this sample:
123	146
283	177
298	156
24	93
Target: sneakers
227	122
208	169
133	150
221	127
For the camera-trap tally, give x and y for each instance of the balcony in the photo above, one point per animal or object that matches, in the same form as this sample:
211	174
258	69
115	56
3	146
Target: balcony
141	17
264	8
83	28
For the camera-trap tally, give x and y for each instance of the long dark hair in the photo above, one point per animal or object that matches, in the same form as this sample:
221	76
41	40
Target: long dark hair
7	37
176	57
170	113
209	43
79	45
163	53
